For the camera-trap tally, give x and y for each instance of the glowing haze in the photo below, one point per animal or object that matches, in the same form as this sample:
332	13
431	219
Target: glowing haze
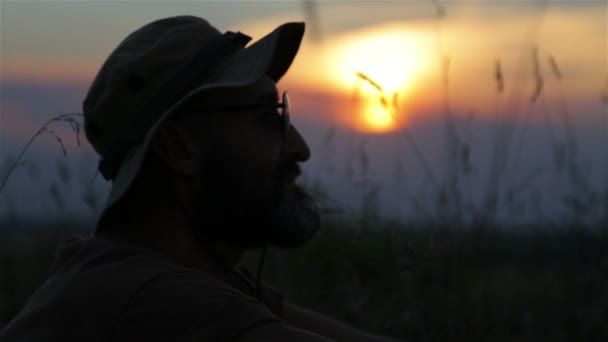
380	66
407	57
378	70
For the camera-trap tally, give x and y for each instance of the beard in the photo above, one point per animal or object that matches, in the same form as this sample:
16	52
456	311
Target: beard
238	205
295	220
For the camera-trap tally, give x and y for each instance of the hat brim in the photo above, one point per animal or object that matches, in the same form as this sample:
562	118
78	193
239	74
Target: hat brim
270	56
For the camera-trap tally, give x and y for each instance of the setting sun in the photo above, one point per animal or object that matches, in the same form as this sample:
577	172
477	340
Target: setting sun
380	66
377	118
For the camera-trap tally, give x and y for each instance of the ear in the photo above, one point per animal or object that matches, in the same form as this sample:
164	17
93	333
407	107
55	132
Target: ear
177	148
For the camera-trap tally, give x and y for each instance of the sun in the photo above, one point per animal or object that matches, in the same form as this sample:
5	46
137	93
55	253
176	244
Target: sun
380	66
377	118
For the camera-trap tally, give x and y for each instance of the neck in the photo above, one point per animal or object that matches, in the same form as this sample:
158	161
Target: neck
169	232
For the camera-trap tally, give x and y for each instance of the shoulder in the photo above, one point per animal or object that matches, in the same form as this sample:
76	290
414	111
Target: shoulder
280	332
189	304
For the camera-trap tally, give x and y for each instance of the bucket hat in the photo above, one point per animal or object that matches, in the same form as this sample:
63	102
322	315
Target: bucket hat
158	68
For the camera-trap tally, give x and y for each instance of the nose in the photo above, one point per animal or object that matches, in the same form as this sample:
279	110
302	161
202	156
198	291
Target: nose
295	147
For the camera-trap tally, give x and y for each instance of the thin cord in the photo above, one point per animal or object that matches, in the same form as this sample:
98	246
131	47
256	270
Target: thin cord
211	251
258	280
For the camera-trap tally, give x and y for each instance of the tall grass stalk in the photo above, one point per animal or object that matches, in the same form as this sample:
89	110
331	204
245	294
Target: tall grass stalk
503	134
491	196
69	118
565	110
499	77
392	107
582	192
604	100
528	111
450	197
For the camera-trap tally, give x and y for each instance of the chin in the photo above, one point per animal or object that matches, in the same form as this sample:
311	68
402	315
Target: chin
288	221
294	220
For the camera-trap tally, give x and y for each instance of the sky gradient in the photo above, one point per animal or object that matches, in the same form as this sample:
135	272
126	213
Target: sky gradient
50	51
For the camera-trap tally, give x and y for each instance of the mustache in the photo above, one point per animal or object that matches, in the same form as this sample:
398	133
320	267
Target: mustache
289	171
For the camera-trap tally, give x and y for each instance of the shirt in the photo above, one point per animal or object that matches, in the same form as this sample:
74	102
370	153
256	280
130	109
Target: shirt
101	290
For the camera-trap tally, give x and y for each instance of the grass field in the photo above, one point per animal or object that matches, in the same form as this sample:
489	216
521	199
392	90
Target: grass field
430	284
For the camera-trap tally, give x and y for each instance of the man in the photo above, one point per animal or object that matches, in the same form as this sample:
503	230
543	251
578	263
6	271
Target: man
197	141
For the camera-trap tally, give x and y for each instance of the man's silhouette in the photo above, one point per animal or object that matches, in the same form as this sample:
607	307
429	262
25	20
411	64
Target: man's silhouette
197	142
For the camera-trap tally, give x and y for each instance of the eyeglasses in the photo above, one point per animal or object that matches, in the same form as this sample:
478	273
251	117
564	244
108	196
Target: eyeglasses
283	108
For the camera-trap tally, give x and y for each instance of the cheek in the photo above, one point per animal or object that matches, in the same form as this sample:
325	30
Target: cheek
246	155
259	152
262	170
250	167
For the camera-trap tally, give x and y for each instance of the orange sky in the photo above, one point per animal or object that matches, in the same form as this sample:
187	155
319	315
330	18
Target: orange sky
401	56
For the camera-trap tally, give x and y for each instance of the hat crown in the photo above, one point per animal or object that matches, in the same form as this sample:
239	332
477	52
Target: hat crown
136	70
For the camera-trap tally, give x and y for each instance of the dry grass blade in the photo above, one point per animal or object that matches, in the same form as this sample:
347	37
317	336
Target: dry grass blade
445	69
410	140
44	129
58	138
76	127
500	82
383	102
538	77
56	195
605	102
377	86
555	68
395	100
465	159
63	171
367	79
